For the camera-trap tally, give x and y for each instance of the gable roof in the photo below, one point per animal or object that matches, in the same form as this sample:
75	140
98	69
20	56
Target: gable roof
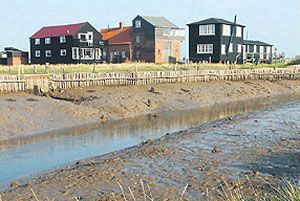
160	22
252	42
117	35
60	30
214	21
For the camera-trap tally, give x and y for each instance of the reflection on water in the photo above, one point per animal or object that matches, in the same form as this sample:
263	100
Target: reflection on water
27	156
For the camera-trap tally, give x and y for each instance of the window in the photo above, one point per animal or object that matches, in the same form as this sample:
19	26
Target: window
261	51
82	37
37	41
63	52
238	31
205	48
62	39
138	54
226	30
138	24
239	48
255	49
47	41
38	53
75	53
137	38
205	30
48	53
223	49
230	48
98	53
123	54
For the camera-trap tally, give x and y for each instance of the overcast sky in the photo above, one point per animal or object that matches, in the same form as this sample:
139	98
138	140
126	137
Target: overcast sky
272	21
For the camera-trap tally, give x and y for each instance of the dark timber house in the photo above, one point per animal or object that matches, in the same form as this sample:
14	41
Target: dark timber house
66	44
118	40
12	57
221	41
156	39
209	41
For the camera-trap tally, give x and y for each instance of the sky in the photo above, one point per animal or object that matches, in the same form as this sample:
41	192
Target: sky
273	21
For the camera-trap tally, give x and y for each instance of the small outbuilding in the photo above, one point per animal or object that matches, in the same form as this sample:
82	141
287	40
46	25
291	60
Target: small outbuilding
13	57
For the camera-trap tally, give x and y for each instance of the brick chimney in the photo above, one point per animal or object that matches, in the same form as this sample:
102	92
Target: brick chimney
121	25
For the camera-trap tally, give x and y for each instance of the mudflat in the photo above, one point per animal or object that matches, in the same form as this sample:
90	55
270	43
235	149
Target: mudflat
23	114
248	150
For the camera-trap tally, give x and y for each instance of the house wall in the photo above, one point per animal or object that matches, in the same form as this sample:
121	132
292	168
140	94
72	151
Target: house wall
173	54
118	48
195	39
146	47
56	46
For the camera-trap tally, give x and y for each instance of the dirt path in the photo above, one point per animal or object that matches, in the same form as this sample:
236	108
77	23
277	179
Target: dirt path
261	145
23	114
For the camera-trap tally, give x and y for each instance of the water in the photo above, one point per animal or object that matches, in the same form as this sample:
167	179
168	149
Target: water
24	157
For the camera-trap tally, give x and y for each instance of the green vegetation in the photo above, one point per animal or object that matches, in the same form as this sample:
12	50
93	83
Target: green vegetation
127	67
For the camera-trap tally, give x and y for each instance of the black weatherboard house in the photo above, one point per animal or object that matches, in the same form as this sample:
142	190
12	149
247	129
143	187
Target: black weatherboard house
66	44
257	51
216	40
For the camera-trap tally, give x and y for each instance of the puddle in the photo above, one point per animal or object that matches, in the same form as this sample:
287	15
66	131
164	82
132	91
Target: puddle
24	157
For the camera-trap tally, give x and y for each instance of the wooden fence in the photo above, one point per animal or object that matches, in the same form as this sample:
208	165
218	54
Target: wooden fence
10	83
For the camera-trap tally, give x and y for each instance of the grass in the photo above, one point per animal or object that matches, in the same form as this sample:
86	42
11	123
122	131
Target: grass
284	191
126	67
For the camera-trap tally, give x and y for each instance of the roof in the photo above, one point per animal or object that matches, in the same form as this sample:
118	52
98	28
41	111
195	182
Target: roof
160	22
214	21
60	30
252	42
117	35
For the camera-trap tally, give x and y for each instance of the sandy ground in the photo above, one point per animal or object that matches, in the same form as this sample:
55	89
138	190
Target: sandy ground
22	114
260	146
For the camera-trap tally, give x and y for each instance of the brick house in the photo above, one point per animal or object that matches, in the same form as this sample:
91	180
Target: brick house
118	48
156	40
66	44
13	57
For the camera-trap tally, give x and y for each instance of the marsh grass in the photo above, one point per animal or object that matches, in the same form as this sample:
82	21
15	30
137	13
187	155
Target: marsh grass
283	191
125	67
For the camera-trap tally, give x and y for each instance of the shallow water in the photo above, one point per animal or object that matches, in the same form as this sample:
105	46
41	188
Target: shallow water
28	156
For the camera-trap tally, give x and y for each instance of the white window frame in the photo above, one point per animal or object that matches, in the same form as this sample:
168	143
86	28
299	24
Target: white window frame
205	49
239	48
84	55
138	39
48	53
261	51
63	52
98	54
62	39
123	54
226	30
37	41
47	41
37	53
239	31
207	30
223	49
255	49
230	48
138	24
75	57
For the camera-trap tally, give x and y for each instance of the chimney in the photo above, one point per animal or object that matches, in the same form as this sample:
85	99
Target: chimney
121	25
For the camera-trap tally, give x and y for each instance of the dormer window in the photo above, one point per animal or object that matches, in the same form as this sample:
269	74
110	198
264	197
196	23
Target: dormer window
138	24
205	30
62	39
47	41
37	41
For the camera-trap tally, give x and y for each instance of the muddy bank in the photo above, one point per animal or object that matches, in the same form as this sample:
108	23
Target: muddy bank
23	114
262	145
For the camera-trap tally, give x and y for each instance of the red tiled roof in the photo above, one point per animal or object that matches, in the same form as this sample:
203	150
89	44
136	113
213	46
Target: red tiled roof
56	31
117	35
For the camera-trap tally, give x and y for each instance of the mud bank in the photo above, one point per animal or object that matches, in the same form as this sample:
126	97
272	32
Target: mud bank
262	146
24	115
